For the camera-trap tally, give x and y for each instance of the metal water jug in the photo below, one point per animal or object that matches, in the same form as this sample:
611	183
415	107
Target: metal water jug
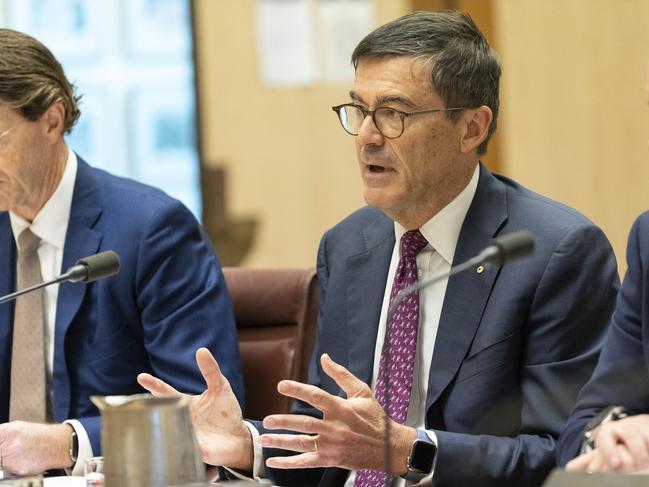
148	441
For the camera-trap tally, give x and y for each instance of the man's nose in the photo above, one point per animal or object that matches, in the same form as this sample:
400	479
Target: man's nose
369	133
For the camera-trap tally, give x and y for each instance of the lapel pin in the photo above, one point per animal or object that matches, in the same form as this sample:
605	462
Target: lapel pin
480	269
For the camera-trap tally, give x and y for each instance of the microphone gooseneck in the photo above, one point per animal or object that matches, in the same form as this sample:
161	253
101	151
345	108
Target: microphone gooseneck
88	269
503	249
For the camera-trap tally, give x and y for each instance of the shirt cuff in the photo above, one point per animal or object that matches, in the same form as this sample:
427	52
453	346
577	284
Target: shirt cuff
85	448
258	467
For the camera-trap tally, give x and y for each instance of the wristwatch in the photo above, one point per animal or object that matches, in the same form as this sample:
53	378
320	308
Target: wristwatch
612	413
421	458
74	446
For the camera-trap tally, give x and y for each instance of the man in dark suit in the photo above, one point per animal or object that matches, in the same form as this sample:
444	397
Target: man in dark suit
61	345
610	420
610	424
486	365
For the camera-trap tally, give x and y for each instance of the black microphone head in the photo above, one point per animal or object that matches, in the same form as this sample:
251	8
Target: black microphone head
103	264
513	246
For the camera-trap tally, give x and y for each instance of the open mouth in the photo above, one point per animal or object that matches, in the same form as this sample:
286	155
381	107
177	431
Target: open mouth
376	169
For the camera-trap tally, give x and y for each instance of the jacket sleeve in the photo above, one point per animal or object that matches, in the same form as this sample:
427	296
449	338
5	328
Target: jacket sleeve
561	340
184	302
621	377
180	303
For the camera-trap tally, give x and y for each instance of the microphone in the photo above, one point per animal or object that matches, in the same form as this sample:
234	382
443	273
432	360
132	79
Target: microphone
507	248
510	246
88	269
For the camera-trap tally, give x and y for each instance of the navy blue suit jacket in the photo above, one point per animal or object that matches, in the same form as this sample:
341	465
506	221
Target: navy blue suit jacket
168	300
621	377
514	346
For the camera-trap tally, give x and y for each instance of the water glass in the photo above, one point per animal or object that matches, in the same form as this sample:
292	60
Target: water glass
93	471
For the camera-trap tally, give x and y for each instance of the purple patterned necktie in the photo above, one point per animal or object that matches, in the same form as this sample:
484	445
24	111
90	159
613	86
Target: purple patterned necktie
401	343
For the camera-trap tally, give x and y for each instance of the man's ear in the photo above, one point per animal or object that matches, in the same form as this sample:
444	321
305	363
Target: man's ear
476	123
53	121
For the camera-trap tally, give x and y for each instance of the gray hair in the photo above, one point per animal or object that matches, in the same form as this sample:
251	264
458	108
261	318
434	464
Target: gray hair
465	71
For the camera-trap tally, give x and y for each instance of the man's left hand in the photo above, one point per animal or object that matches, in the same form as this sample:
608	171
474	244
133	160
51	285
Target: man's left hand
33	448
351	434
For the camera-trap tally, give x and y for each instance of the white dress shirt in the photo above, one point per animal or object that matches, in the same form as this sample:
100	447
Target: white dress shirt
442	233
51	226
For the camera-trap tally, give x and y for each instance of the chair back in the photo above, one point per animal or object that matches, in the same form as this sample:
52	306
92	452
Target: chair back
276	313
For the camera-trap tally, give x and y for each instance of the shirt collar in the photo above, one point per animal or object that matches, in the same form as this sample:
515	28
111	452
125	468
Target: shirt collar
51	222
442	231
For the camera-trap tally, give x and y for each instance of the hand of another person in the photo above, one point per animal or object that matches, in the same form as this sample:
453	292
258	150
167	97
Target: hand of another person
222	436
33	448
350	435
621	445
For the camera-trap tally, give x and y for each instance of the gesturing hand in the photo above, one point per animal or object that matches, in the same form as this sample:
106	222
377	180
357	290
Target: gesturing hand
620	446
350	435
216	415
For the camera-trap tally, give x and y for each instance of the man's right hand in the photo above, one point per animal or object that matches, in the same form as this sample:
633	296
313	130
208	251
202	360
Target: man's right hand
621	445
222	436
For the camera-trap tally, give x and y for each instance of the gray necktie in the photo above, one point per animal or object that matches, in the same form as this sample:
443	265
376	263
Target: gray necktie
27	395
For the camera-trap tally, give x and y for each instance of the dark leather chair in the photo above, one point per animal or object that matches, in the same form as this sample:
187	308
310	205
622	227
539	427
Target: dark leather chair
276	313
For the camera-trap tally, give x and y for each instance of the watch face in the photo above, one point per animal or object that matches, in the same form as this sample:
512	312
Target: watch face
423	456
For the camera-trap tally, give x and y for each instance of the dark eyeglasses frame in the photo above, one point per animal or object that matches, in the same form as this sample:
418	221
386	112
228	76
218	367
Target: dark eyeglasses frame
402	115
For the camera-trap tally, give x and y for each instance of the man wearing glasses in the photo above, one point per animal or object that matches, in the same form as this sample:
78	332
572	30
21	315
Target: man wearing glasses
484	366
60	345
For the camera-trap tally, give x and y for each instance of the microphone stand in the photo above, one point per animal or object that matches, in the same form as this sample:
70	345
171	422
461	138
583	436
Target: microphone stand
88	269
62	278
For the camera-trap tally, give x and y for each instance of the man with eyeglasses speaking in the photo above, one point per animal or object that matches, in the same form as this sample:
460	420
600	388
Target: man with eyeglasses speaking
486	365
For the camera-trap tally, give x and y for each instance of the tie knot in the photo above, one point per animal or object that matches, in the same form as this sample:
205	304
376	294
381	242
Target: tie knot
28	242
412	242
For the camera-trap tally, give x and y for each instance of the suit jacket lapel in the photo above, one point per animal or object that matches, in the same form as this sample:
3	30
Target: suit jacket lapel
81	240
367	273
7	285
467	293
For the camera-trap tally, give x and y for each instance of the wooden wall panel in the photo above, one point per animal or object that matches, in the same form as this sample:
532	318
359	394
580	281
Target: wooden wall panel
289	164
576	117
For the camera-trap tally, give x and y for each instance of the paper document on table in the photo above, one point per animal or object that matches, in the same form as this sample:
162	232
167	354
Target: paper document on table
65	482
